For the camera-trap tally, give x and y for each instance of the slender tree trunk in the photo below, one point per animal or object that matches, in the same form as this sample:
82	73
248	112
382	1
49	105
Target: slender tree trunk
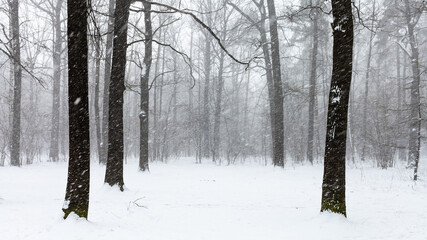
365	99
155	108
17	77
57	49
107	75
267	61
401	145
114	170
206	111
415	117
96	97
278	155
145	97
312	89
333	187
217	122
77	194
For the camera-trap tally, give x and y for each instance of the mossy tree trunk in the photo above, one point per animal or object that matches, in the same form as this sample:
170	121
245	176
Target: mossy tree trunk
333	188
77	193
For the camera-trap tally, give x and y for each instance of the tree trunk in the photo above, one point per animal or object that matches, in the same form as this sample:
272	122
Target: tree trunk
333	187
278	135
107	75
56	96
145	97
98	130
400	99
206	111
312	87
415	105
365	99
77	194
17	76
114	170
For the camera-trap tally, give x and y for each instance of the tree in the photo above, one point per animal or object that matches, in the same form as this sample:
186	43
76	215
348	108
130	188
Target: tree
77	193
57	49
145	97
114	169
333	187
412	15
278	154
103	155
17	73
312	86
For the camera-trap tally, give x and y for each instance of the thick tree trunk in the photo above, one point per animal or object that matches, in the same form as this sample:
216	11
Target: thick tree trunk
278	135
107	75
333	187
145	97
114	170
77	195
17	77
312	89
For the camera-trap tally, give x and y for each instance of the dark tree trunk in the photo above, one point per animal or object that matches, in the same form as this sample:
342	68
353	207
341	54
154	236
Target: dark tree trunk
107	75
312	88
57	48
77	195
17	77
114	170
278	135
145	97
333	188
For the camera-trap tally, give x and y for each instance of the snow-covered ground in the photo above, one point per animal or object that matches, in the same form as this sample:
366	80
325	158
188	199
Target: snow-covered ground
183	200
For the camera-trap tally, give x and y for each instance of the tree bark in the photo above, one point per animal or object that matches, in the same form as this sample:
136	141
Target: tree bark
333	188
77	194
114	170
145	97
415	105
278	135
107	75
17	77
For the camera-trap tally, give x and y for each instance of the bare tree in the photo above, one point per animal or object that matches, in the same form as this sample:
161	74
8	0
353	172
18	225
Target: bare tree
77	193
17	73
333	187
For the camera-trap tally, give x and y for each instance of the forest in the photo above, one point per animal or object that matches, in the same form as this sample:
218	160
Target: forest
230	119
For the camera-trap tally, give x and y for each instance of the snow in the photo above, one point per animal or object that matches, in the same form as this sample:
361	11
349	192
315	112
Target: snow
183	200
